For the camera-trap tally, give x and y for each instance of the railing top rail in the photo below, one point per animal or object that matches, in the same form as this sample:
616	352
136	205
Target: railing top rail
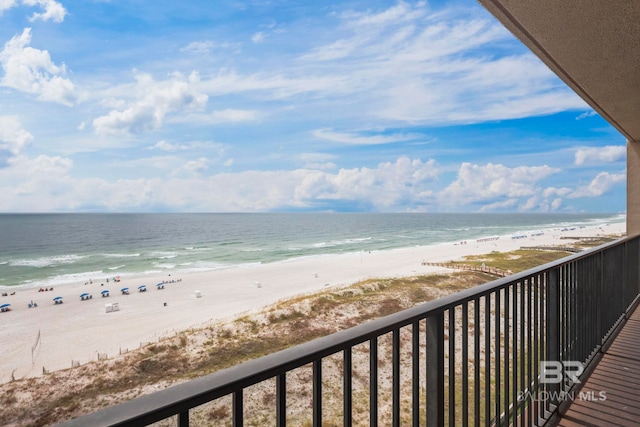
164	403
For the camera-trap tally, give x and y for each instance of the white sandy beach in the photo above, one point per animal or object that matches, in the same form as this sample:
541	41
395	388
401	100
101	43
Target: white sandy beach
81	330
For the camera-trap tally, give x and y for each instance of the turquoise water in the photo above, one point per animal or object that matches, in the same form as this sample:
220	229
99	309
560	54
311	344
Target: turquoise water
49	249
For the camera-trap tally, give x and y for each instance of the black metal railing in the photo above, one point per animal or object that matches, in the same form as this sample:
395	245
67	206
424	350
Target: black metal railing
471	358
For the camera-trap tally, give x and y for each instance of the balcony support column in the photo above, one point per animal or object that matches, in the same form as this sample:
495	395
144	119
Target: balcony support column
633	188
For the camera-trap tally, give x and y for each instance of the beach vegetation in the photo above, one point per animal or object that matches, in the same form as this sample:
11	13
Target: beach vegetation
516	261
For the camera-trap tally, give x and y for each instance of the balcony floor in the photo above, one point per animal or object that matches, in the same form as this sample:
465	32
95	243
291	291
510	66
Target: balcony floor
618	375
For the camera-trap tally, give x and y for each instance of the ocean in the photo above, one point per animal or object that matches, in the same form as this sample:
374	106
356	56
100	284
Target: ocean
39	250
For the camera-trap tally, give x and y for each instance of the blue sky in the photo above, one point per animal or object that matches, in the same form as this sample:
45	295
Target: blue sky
243	106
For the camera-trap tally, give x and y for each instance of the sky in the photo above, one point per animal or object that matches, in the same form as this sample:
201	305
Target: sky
290	106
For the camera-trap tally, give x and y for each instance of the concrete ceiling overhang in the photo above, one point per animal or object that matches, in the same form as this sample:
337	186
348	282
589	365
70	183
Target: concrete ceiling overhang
593	45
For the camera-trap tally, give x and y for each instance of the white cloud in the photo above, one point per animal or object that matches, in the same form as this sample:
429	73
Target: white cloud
318	161
258	37
227	116
153	101
553	191
601	184
586	114
359	139
495	186
608	154
366	27
199	47
207	47
165	146
53	10
48	165
197	166
13	138
408	65
44	184
31	70
390	185
37	184
232	115
6	5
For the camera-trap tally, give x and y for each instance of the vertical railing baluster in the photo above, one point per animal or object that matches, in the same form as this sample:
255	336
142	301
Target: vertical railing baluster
452	366
524	350
487	360
515	355
373	382
465	363
415	370
183	419
281	396
395	363
238	409
601	301
571	308
562	325
585	307
530	352
476	361
317	393
542	340
498	344
595	303
435	370
552	326
579	307
347	387
537	297
507	370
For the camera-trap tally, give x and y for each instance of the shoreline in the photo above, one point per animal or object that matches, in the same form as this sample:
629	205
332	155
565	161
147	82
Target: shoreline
82	330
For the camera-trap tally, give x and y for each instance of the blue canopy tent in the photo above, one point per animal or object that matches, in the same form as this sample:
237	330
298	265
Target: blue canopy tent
5	307
142	288
125	291
105	293
85	296
57	300
160	285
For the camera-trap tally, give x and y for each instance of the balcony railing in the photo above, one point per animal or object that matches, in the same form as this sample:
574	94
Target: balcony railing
471	358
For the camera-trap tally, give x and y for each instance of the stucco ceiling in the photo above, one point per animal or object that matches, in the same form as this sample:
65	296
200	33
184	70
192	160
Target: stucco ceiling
593	45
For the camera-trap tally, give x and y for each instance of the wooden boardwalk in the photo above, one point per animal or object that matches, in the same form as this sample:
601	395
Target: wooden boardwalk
468	267
617	376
